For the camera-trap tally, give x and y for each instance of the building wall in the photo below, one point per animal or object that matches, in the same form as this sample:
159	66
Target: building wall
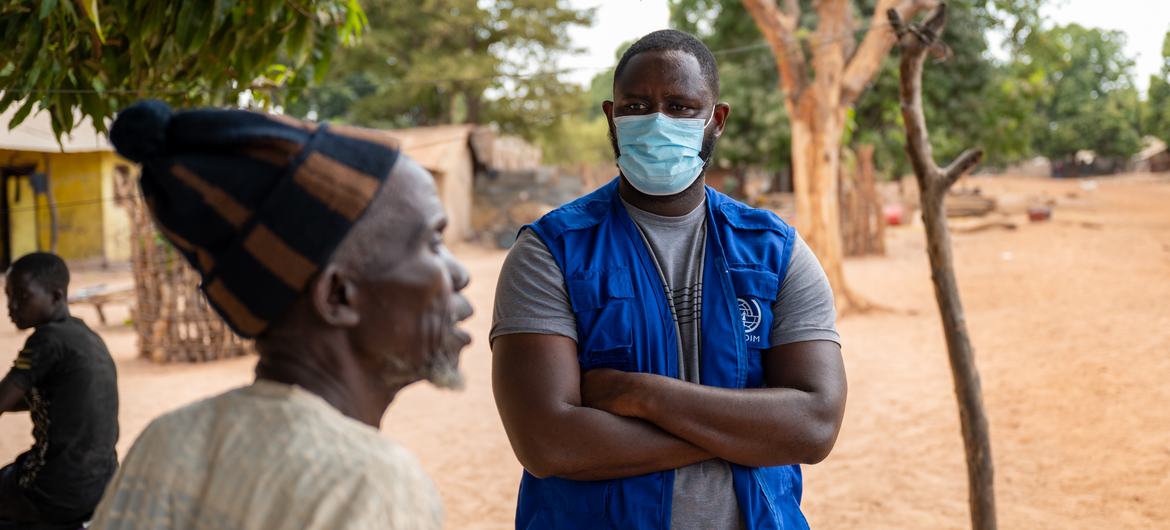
89	225
115	219
456	182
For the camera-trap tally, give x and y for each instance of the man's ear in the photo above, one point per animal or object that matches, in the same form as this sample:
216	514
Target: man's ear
720	117
607	108
59	296
333	295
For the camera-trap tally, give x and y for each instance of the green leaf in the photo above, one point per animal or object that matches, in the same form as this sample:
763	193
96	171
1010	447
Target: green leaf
46	8
91	12
185	29
9	98
21	113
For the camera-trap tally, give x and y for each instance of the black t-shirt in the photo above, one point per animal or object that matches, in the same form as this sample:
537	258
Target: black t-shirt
72	393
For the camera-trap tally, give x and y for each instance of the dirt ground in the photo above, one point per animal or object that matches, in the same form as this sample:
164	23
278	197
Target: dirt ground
1070	320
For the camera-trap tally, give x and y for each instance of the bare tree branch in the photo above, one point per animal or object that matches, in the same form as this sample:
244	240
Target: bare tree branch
914	48
878	40
915	41
961	165
779	28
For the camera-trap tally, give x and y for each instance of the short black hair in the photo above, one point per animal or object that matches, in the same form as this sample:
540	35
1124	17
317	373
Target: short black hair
47	270
674	40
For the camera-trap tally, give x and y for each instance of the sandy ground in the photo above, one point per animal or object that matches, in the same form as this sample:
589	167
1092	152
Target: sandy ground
1070	320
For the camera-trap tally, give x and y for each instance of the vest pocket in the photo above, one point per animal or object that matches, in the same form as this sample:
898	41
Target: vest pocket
601	301
755	290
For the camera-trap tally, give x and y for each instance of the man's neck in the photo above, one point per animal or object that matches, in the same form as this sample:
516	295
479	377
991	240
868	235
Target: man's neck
676	205
335	378
59	314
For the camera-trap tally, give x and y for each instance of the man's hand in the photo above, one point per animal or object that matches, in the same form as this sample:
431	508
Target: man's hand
612	390
537	384
794	420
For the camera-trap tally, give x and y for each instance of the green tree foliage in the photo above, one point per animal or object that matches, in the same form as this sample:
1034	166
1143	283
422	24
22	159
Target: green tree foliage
1088	99
582	136
92	57
970	99
432	62
757	130
1157	115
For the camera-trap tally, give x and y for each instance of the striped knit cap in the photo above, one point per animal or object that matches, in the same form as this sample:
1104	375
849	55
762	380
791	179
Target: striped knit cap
257	203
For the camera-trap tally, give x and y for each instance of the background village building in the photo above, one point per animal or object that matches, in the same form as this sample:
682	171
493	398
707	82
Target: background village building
454	154
80	199
1154	156
78	176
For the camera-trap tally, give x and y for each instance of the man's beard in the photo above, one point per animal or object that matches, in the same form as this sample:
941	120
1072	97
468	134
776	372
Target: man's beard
442	368
441	365
705	151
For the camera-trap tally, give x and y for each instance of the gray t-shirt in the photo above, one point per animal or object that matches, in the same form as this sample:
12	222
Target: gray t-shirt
531	298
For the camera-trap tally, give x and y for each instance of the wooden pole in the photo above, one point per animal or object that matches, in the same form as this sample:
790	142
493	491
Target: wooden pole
915	41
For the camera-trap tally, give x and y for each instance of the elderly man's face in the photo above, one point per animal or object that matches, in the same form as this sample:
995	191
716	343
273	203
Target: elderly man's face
411	310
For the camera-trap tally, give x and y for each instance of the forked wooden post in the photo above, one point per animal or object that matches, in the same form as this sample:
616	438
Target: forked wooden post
915	41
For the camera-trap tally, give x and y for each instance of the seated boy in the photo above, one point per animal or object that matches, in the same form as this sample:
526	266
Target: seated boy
65	378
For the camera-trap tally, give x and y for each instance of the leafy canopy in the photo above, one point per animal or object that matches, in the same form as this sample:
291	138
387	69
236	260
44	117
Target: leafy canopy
969	99
93	57
1157	115
432	62
1088	99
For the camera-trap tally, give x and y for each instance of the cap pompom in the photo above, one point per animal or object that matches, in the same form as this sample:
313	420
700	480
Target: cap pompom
140	131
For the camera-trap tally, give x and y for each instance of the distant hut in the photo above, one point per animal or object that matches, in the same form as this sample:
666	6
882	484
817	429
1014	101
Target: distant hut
59	197
1154	157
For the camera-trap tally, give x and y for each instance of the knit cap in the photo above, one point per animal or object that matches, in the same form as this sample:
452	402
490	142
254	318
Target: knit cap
257	203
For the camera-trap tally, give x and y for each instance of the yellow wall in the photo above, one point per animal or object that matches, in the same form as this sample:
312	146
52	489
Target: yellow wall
90	226
115	219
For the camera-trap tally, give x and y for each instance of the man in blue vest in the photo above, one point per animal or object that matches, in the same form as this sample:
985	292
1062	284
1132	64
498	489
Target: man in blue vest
664	356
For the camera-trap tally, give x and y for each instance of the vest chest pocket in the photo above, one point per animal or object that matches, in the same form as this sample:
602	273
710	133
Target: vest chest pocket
755	290
601	301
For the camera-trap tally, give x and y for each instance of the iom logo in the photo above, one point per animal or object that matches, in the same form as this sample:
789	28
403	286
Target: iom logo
749	309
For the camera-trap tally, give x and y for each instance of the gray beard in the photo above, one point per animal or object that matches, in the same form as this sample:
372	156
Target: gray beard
441	368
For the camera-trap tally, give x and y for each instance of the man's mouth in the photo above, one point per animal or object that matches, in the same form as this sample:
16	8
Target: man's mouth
445	372
460	310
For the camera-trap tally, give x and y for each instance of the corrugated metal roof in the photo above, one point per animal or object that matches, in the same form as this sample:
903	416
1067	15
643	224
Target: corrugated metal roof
36	134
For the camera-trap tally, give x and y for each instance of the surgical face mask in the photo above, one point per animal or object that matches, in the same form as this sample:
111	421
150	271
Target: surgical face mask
660	154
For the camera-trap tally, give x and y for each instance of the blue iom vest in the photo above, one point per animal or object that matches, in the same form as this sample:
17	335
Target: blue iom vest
624	322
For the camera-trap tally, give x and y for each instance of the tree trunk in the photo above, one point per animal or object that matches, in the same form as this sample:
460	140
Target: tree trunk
874	220
474	106
861	221
816	106
816	161
817	126
933	182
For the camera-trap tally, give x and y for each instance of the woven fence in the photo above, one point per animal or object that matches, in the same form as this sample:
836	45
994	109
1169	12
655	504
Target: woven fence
172	317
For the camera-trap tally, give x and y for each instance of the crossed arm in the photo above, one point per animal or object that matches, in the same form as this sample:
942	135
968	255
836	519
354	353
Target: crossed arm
610	424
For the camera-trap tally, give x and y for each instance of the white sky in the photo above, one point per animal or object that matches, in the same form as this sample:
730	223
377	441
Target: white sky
1144	23
616	21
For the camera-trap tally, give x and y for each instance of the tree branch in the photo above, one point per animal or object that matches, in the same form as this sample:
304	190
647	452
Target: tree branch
779	29
961	165
915	41
867	59
910	97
